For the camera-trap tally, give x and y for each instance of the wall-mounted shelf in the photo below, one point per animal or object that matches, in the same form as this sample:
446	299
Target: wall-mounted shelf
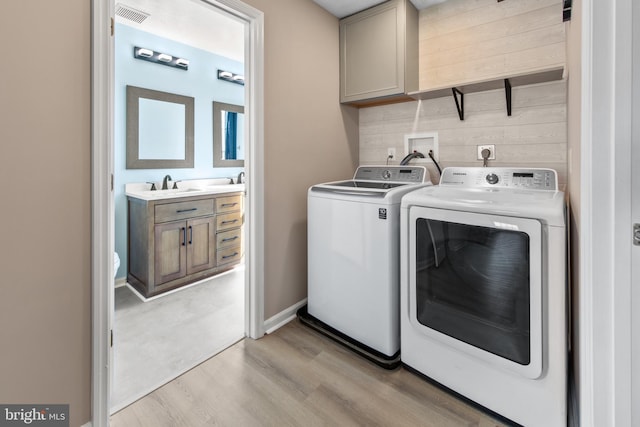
506	83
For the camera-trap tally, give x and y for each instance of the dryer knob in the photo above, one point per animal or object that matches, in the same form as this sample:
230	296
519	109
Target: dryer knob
492	178
386	174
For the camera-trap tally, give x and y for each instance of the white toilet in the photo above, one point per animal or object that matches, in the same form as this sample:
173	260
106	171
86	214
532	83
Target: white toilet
116	264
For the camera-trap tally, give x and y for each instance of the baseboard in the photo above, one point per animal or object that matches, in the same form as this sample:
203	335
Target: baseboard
120	282
285	316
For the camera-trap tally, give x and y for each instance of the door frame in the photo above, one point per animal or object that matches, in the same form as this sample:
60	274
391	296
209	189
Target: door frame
605	292
102	204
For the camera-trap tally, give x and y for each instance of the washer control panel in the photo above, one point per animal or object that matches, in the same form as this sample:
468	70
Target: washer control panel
405	174
515	178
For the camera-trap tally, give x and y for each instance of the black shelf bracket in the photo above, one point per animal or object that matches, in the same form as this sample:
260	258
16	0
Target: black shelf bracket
507	94
459	104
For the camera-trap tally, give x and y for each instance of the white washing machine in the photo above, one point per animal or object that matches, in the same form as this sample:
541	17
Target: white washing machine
483	290
353	259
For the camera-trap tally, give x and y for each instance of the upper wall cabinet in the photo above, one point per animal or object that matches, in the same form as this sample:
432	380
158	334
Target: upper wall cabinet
379	54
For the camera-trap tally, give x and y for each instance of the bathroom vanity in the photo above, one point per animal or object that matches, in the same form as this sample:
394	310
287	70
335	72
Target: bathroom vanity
177	238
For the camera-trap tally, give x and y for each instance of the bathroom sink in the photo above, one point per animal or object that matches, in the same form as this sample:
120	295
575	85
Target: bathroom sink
184	192
226	187
178	190
158	194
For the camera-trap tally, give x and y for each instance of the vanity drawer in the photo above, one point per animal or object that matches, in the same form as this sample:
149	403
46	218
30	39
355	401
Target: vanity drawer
226	256
228	204
183	210
227	221
229	238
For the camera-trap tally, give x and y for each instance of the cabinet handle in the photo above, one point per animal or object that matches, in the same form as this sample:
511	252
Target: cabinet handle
229	222
227	205
184	236
230	256
186	210
190	234
229	239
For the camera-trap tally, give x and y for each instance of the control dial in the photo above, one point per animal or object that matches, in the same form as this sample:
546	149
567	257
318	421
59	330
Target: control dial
386	174
492	178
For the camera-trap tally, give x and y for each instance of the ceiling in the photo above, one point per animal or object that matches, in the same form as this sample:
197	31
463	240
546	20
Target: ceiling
342	8
198	24
192	22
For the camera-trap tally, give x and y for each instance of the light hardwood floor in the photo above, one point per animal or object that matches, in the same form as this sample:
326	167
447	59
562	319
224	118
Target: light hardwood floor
297	377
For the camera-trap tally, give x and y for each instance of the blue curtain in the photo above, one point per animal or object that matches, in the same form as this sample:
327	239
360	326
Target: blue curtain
230	151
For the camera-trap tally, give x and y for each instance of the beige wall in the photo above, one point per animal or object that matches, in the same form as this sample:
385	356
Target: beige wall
46	209
309	137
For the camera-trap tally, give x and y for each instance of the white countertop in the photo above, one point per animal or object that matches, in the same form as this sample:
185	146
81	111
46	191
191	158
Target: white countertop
186	188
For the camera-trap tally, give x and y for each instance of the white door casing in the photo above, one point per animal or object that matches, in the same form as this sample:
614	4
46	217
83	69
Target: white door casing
635	217
606	306
102	78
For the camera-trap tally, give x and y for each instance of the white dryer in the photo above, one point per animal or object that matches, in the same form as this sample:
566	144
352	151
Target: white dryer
483	290
354	259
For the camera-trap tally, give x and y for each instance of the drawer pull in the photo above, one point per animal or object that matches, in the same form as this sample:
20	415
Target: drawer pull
184	236
230	239
230	256
186	210
229	222
228	205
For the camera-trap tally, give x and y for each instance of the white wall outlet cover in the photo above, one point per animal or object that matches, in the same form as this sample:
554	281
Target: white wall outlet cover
491	148
422	143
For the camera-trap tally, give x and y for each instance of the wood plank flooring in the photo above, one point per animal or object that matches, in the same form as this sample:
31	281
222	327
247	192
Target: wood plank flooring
297	377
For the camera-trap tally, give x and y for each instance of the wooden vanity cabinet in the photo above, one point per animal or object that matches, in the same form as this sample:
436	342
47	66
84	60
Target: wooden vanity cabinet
229	221
174	242
183	248
379	54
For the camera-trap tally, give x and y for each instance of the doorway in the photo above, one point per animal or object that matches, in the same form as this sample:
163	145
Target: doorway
103	197
157	339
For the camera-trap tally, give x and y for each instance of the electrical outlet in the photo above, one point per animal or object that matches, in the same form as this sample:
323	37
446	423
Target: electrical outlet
491	148
391	153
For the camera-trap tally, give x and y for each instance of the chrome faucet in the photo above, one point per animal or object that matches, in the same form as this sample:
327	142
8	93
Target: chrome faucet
166	179
408	157
240	179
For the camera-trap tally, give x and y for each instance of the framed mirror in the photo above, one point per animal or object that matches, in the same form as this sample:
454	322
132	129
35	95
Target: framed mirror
228	135
159	129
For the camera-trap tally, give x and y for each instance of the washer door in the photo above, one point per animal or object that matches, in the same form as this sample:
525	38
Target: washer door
475	284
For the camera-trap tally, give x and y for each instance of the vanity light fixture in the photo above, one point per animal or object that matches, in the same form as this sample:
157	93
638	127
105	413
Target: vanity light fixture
230	77
160	58
147	53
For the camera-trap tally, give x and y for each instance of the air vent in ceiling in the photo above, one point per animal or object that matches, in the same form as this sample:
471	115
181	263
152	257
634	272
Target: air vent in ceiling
127	12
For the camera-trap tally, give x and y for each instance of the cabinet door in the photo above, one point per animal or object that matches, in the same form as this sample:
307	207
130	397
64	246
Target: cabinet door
201	244
372	53
170	251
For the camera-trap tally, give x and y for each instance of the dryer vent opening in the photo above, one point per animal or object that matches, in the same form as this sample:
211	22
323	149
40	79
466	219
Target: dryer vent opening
127	12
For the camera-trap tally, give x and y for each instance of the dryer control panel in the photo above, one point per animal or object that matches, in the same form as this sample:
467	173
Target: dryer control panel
514	178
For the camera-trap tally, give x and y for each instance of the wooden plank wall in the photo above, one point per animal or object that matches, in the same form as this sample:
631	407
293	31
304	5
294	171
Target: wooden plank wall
534	136
467	40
